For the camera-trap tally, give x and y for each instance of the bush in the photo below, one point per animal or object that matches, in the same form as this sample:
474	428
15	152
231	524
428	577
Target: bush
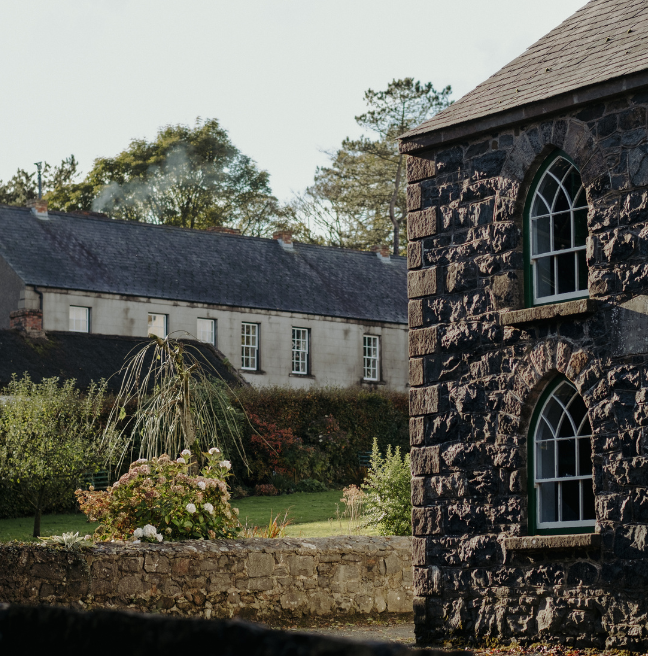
318	433
310	485
388	502
161	499
266	490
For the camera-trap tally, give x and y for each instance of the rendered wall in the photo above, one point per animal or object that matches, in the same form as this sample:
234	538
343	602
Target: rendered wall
252	578
336	344
478	363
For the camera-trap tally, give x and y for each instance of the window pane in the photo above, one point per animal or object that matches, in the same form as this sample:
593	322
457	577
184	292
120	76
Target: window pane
566	273
566	458
572	183
79	319
157	325
299	351
589	511
586	428
546	459
581	200
370	357
539	207
566	428
560	167
548	499
548	188
553	412
577	409
570	501
580	227
561	204
545	276
562	231
582	270
541	235
249	345
207	331
585	457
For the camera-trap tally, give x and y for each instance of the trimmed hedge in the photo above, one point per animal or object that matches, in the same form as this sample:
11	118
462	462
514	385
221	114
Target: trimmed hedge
323	429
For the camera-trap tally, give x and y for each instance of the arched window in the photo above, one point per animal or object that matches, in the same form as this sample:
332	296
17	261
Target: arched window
560	463
556	229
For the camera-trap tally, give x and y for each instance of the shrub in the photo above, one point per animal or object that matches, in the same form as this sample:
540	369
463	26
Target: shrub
49	436
387	502
161	499
266	490
310	485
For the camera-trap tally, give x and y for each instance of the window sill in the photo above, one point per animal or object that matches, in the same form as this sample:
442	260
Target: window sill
294	375
257	372
372	382
544	542
544	312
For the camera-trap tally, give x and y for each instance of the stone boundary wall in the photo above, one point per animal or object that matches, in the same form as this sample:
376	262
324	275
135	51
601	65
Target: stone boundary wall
259	579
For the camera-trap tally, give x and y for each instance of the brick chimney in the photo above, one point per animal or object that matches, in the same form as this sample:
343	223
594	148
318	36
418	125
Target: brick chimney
225	229
382	252
38	207
284	237
27	321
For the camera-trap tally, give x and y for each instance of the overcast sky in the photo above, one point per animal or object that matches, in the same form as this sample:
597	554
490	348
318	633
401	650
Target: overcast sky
284	77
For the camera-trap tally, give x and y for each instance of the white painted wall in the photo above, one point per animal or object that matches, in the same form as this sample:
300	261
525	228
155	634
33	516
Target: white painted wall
335	346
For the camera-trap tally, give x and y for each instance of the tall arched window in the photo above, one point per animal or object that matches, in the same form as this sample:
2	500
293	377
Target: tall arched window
556	229
560	463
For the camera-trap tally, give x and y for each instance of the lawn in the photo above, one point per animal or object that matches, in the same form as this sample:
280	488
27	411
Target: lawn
312	515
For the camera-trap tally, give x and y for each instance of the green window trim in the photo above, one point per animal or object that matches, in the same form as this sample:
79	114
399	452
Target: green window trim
531	488
526	233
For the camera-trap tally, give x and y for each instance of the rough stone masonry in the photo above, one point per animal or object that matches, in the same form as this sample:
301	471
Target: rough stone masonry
479	361
252	578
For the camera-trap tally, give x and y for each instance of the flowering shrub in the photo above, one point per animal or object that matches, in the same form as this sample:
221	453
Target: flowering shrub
266	490
160	499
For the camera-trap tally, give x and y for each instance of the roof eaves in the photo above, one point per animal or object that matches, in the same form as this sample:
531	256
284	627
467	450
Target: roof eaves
414	141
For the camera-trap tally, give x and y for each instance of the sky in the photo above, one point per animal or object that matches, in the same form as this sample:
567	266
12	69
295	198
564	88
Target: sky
285	78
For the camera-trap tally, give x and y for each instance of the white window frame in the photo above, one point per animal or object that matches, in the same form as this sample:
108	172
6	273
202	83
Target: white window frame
300	351
74	320
210	334
249	346
371	357
553	443
165	324
552	253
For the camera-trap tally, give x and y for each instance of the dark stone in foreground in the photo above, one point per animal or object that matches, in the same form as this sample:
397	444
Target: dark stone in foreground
43	629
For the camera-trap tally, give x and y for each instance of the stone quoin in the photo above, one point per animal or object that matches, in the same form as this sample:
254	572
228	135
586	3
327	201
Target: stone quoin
528	316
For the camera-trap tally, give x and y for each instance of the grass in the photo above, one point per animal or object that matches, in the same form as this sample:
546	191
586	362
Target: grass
313	515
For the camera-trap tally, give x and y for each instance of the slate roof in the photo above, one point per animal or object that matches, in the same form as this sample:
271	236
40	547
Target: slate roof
603	40
87	357
98	254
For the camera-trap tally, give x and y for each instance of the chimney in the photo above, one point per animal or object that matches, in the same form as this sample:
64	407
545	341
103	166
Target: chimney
27	321
38	207
284	237
225	229
382	252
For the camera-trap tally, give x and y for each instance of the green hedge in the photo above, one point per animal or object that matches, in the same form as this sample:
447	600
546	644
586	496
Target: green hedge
332	426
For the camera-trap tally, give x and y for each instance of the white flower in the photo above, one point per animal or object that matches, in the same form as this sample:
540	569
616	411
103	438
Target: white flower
191	509
158	537
226	463
182	461
202	485
213	450
209	508
186	452
88	537
142	460
139	533
149	531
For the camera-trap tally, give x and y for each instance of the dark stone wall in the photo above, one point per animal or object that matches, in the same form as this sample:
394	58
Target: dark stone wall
477	369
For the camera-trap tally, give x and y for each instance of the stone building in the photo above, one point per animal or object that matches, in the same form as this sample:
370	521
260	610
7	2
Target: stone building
528	315
281	312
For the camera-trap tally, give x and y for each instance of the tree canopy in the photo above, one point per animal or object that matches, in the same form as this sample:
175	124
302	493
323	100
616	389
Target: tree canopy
358	200
193	177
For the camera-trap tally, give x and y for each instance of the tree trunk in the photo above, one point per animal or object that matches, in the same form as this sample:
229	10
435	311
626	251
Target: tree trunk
37	515
392	206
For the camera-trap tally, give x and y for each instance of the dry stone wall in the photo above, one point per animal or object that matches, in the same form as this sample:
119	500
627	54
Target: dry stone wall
252	578
479	361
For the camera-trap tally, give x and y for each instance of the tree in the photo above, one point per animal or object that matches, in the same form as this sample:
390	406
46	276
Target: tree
23	186
49	436
188	177
359	199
